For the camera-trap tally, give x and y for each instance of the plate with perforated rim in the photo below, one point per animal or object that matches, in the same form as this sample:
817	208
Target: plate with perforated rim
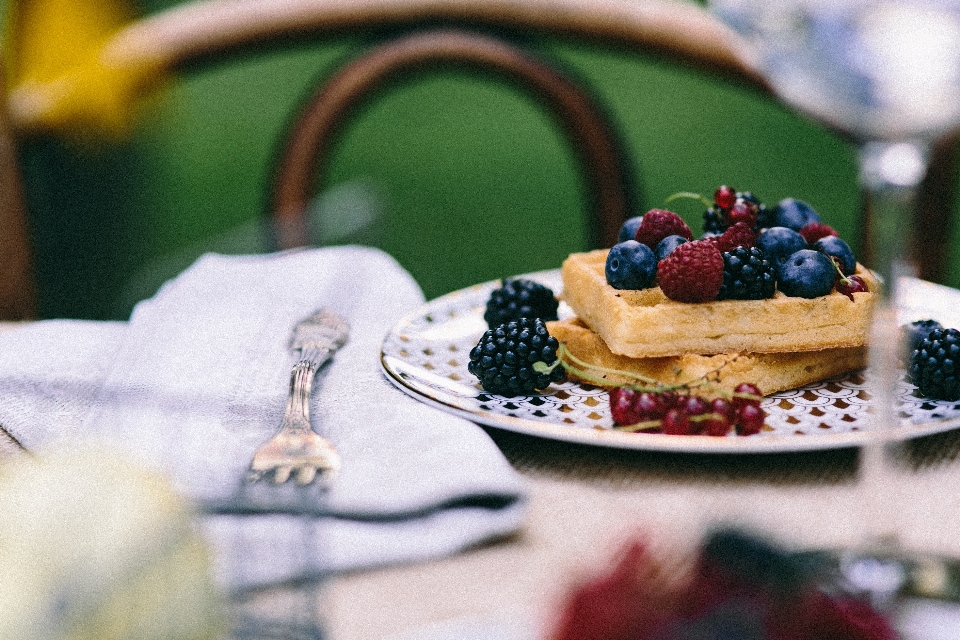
427	352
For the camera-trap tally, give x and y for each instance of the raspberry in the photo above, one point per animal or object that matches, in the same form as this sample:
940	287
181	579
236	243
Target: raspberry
692	273
657	224
518	298
747	275
740	234
503	359
935	365
813	231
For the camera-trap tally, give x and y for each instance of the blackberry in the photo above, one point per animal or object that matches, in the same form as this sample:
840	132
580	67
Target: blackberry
504	358
747	275
915	332
935	365
518	298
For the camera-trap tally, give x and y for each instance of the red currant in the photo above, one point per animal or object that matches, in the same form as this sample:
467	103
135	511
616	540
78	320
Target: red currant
621	406
750	419
746	394
649	406
724	197
743	211
676	422
851	285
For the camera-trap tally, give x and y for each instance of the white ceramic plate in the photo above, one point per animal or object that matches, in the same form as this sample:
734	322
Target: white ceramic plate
427	352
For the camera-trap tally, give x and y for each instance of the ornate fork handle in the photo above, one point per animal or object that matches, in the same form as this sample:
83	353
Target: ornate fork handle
296	448
296	417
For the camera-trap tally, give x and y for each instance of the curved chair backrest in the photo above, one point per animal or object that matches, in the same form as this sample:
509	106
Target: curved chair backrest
204	31
312	135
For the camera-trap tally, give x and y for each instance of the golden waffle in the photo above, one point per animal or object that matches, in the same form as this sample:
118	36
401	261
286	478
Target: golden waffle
645	323
771	372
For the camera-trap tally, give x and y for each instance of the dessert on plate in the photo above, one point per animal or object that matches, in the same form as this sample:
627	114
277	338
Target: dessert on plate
765	300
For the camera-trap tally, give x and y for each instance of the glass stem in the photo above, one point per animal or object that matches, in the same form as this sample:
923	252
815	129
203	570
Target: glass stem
890	174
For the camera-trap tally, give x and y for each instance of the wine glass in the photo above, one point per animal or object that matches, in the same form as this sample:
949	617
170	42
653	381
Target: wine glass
887	73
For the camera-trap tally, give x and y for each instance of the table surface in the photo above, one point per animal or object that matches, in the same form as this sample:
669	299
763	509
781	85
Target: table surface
585	501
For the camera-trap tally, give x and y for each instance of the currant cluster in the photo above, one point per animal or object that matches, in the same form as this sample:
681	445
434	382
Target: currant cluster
683	413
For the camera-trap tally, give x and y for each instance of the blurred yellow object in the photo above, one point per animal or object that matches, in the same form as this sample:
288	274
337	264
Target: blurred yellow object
60	74
96	547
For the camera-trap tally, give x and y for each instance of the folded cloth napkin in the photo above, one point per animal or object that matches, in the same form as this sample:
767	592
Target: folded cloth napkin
198	378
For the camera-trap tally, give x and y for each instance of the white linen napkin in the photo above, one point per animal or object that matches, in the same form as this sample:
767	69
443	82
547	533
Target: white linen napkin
198	379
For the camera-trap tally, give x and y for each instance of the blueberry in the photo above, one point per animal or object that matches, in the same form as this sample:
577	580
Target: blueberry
779	243
667	245
807	274
917	331
631	265
837	248
794	214
629	229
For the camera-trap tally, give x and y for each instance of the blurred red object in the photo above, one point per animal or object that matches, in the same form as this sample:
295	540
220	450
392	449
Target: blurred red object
736	587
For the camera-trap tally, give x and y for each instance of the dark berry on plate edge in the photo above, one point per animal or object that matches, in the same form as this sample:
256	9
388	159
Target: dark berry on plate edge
630	265
794	214
628	231
779	243
666	246
935	365
839	249
520	298
916	331
747	275
807	274
504	358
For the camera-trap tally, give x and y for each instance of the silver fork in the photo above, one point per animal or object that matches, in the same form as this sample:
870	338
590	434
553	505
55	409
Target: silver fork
296	449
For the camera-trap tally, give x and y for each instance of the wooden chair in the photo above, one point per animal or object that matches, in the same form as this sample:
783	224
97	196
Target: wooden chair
450	32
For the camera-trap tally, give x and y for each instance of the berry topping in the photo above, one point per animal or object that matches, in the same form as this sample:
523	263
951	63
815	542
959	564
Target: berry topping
915	332
657	224
837	248
520	298
807	274
779	243
693	272
935	365
739	234
794	214
747	275
629	229
666	246
813	231
631	265
505	358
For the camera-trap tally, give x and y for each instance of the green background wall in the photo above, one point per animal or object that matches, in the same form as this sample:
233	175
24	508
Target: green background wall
462	178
